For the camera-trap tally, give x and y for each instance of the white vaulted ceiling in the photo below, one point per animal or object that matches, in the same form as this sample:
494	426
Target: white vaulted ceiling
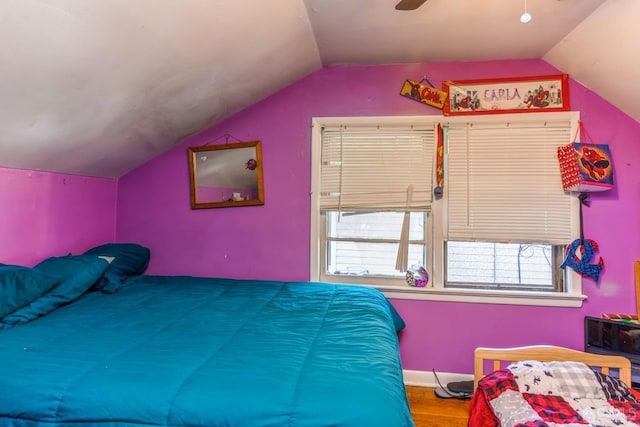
98	87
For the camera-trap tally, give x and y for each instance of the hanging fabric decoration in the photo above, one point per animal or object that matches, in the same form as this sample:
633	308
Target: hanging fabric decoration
579	254
585	167
437	192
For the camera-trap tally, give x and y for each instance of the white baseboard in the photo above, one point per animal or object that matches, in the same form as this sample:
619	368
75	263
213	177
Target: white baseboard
427	379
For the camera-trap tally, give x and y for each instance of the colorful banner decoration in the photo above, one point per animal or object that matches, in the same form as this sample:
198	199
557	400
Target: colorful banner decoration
422	93
508	95
437	192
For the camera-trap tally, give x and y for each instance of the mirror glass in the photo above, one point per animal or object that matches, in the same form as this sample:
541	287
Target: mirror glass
226	175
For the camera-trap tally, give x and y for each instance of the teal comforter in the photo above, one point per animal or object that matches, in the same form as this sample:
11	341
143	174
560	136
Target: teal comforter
185	351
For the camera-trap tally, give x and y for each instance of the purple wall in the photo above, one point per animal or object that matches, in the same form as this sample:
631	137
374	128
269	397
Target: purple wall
272	241
47	214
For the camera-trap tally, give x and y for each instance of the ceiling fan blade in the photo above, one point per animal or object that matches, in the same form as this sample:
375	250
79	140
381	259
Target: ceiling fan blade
409	4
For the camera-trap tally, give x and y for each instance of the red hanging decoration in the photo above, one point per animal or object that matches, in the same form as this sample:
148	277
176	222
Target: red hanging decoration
585	167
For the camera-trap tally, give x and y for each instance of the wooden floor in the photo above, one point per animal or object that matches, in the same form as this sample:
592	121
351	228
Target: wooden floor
430	411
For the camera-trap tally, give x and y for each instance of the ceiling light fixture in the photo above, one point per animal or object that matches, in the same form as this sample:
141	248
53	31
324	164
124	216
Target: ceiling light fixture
525	17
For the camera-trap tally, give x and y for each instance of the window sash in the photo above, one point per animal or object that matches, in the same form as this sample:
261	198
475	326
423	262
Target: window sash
504	182
353	250
495	268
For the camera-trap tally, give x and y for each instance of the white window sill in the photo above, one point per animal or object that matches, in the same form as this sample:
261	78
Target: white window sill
398	289
549	299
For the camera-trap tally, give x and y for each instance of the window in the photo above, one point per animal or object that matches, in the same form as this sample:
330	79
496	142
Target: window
508	216
374	198
496	235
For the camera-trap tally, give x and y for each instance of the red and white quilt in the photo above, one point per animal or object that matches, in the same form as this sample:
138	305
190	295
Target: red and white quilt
541	394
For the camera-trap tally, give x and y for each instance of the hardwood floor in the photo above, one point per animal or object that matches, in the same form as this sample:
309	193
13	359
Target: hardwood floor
430	411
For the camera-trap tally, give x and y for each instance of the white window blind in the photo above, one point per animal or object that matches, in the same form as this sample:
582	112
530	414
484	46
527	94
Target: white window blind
373	168
504	182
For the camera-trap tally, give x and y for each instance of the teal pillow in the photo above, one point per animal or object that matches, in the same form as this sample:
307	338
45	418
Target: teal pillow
127	259
21	285
76	275
398	321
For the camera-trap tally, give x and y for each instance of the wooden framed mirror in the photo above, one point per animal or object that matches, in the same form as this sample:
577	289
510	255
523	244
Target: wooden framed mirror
226	175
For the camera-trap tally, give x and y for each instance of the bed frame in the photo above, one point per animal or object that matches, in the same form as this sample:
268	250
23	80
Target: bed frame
548	353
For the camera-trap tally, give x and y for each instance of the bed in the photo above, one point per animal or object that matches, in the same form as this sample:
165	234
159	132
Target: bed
141	350
551	386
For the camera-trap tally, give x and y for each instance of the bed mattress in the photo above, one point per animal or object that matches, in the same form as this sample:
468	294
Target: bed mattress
187	351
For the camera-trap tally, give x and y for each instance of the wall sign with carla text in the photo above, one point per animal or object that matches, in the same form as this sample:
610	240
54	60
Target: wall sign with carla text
508	95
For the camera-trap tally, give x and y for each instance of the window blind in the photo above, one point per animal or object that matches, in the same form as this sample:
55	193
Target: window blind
372	168
504	183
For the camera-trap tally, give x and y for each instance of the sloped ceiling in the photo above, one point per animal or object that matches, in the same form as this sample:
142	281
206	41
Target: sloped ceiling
98	87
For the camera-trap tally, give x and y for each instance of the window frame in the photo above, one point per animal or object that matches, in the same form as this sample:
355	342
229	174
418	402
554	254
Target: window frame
435	227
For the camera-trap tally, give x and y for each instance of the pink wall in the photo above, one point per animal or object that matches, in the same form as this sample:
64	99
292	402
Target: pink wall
272	241
47	214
